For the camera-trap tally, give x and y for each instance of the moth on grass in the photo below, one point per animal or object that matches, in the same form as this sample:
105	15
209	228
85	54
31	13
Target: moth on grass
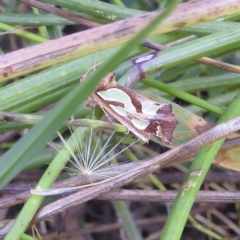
93	158
140	115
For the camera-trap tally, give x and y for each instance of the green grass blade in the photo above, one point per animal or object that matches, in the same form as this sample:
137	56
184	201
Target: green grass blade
192	183
97	8
13	161
183	95
22	33
194	49
126	220
36	20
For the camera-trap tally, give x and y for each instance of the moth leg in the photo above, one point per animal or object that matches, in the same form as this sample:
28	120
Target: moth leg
109	118
72	118
86	74
89	103
93	68
128	131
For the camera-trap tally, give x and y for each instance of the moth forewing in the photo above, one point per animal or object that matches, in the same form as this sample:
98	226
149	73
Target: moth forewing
126	121
140	115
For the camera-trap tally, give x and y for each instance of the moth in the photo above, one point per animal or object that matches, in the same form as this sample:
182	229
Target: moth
140	115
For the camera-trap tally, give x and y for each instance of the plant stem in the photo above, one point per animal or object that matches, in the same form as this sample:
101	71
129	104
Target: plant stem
193	181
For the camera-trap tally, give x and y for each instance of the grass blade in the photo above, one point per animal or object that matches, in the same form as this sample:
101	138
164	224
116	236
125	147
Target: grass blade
13	161
193	181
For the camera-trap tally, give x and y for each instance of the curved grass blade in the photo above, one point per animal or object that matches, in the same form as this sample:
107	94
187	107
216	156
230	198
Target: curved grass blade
13	161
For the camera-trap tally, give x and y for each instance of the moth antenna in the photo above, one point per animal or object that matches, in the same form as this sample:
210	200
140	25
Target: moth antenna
107	115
